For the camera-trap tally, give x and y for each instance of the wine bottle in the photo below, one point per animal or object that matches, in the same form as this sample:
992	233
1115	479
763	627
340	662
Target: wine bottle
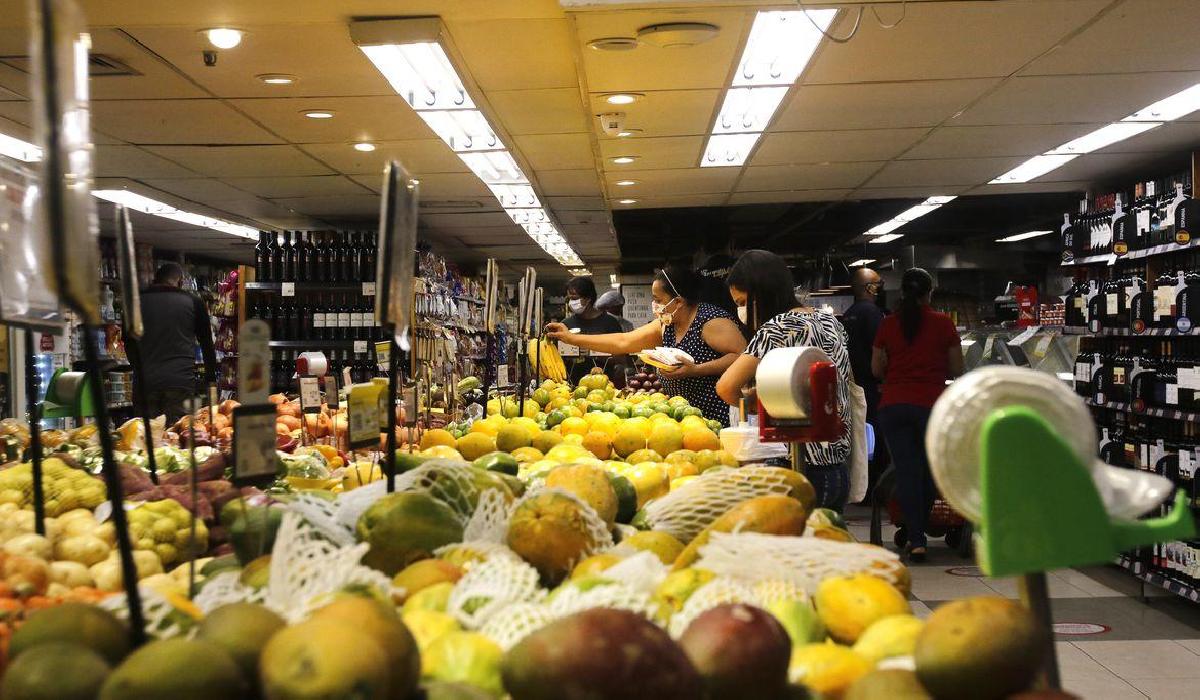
334	270
350	259
346	330
301	257
289	258
303	317
317	331
369	258
262	259
310	257
276	254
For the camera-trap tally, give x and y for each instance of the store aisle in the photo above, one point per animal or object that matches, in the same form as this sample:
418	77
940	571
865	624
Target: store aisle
1116	646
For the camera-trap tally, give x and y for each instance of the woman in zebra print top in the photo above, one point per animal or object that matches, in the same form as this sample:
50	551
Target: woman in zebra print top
761	284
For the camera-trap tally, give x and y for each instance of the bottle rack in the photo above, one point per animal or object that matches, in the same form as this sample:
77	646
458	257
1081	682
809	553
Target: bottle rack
1139	222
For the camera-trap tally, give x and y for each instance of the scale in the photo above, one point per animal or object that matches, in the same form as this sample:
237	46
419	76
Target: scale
797	399
1015	452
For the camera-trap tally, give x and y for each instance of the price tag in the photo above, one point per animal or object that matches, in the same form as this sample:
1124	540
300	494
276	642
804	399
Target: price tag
410	406
383	402
254	443
213	400
254	357
310	395
363	407
331	391
1044	344
383	354
368	289
287	289
360	346
502	376
346	380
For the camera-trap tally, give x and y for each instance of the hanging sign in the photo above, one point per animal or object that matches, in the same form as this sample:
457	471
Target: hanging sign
310	395
397	246
254	443
363	406
254	361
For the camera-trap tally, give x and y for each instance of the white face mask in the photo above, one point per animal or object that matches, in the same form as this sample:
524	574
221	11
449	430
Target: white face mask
741	312
660	311
575	306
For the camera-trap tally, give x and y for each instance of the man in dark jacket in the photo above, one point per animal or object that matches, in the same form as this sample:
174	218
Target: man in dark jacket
862	320
175	322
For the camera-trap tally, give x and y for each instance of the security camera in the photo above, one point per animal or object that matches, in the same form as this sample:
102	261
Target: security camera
210	58
612	123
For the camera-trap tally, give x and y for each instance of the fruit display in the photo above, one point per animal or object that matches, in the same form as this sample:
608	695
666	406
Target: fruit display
550	362
645	381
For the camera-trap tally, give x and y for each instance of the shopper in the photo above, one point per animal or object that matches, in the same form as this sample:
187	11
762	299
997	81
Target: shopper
175	322
705	332
916	351
862	321
585	319
761	285
613	304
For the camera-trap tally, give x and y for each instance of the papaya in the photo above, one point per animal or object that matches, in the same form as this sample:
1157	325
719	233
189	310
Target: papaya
590	484
550	532
406	527
772	515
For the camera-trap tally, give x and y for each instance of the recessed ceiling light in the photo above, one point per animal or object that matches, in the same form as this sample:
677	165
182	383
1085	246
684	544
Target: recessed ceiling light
626	133
624	160
277	78
626	183
626	201
622	98
613	43
224	37
677	35
364	147
318	113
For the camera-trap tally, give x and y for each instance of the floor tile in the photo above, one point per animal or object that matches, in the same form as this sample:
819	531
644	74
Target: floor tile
920	609
1145	659
1085	677
1086	583
1192	645
952	588
1168	688
1058	588
1128	619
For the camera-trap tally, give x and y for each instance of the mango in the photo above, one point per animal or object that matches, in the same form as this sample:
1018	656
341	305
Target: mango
772	515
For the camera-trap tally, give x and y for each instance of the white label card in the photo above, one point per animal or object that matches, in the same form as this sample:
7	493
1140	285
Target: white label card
368	289
502	375
1043	345
287	289
310	395
253	444
346	381
360	346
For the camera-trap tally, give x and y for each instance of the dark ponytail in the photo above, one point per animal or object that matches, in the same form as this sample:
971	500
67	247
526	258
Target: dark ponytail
914	287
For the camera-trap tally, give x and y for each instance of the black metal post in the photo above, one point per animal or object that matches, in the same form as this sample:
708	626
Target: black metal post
35	433
143	405
389	460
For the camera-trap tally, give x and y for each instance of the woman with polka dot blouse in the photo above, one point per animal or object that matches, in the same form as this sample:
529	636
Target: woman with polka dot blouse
706	332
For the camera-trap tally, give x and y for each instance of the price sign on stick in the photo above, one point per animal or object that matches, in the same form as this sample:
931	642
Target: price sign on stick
331	391
254	358
397	251
310	395
254	443
131	304
363	407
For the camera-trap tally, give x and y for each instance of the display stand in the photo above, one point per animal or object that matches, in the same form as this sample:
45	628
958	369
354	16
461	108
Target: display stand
35	434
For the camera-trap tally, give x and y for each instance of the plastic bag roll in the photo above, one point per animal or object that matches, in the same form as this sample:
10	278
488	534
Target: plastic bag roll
782	380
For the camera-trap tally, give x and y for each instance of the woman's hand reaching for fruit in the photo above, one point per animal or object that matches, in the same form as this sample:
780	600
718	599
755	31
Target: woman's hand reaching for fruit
557	331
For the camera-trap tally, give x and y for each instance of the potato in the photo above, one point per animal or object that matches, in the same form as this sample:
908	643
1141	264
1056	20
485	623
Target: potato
29	545
85	549
71	574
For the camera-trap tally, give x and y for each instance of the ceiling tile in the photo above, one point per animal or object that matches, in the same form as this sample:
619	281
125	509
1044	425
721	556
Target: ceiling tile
378	118
135	162
655	153
943	40
243	161
648	67
788	196
342	205
556	111
176	122
509	235
569	183
985	141
653	183
663	113
677	200
1032	188
481	220
907	192
1092	51
826	146
1101	166
326	185
877	106
196	189
517	54
556	151
947	171
1057	99
583	217
576	203
418	157
761	178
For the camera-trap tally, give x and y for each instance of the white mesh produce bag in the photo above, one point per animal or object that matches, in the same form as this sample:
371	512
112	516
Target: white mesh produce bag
450	481
640	571
685	511
225	588
513	623
716	592
803	561
571	598
162	618
490	586
489	522
322	514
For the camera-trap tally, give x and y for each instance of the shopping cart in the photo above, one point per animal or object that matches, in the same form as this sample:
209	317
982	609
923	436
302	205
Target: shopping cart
943	521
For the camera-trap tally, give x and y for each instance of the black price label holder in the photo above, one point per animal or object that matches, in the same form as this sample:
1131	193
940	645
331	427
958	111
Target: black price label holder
254	445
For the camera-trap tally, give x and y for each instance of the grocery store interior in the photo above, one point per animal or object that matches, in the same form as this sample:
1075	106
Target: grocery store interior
804	349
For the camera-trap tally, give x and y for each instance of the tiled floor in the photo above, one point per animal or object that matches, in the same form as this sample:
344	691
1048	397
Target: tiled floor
1149	650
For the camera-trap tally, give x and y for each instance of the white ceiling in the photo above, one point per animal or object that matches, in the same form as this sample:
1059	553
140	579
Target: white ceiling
958	93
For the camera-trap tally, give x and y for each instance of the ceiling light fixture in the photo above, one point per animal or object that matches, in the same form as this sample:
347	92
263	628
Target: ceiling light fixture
146	205
612	281
410	55
277	78
14	147
624	160
580	272
622	98
1022	236
1156	114
626	133
364	147
911	214
886	239
318	113
626	183
224	37
861	263
613	43
780	45
626	201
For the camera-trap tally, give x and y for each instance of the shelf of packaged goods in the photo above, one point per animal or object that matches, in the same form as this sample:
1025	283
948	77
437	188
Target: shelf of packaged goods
1126	332
1161	249
1150	411
316	344
471	300
1155	579
274	287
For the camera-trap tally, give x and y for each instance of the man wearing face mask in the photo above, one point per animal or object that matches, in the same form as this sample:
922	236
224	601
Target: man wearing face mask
589	320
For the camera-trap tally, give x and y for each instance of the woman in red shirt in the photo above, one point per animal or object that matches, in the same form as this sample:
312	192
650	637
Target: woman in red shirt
916	351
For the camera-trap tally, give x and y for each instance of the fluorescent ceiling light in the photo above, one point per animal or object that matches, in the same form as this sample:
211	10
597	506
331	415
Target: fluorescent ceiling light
1169	109
515	196
1022	236
861	263
136	202
463	130
780	46
748	109
495	167
622	98
422	74
911	214
1036	166
886	239
224	37
1104	136
364	147
528	216
728	150
277	78
626	183
318	113
20	150
626	201
624	160
580	272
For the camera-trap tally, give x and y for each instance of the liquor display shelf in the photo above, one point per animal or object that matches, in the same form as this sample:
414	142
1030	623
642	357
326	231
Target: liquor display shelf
1110	258
1150	411
309	344
1138	569
1149	332
309	286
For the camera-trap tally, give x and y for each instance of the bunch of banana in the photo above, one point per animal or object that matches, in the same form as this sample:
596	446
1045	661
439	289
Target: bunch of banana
552	366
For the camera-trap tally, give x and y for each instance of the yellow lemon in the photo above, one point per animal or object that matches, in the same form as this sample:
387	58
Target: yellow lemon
848	605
